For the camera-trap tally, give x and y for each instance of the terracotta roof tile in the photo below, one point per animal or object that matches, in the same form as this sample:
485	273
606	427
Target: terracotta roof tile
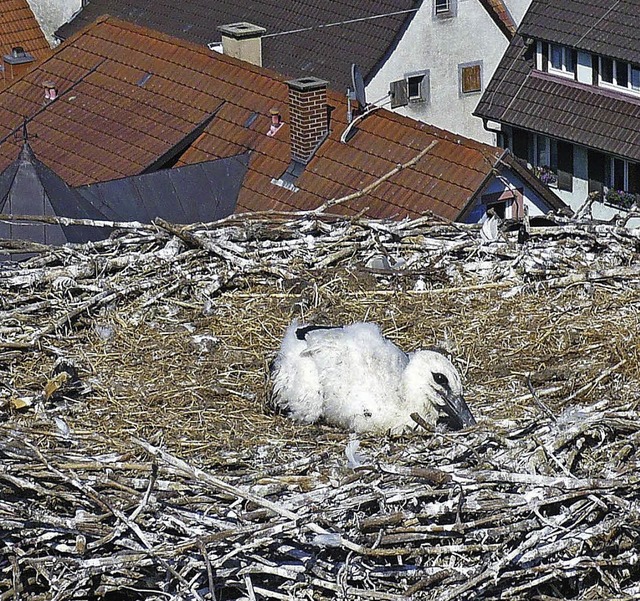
295	45
129	95
18	27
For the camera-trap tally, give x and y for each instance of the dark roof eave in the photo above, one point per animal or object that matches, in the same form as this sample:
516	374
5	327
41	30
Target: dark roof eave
472	199
533	182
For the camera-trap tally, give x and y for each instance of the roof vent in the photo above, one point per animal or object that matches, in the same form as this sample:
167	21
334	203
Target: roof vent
50	90
243	40
276	122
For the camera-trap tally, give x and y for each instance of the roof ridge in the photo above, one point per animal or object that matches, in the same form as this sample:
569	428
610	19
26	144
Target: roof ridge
500	14
192	46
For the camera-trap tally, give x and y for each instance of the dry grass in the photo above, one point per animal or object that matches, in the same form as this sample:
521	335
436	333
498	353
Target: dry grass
531	348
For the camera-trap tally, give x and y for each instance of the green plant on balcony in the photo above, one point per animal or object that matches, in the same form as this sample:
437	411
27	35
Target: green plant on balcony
621	199
546	175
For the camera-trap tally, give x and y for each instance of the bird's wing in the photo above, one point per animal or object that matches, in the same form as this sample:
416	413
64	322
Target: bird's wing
359	373
294	379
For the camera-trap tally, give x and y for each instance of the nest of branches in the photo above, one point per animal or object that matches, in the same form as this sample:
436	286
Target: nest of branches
141	460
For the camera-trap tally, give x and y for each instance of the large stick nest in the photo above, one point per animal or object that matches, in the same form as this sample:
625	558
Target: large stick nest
140	459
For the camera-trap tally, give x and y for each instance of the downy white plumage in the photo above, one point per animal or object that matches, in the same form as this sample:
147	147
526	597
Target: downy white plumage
353	377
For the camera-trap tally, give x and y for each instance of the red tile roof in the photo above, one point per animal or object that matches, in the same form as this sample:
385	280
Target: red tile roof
500	14
128	95
18	27
317	37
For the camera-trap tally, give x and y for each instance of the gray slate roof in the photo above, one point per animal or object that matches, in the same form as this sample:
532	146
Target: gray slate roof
29	187
328	35
520	96
201	192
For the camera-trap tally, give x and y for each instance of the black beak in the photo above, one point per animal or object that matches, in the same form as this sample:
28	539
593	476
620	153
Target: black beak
457	410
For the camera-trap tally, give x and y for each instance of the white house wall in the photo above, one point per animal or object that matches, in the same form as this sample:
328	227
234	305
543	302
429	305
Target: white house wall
52	14
440	45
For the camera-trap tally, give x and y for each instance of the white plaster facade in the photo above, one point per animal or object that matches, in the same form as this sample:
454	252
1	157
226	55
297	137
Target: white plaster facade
52	14
439	46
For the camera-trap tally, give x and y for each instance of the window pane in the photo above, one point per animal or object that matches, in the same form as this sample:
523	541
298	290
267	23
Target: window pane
542	160
634	178
568	60
414	85
442	6
635	77
553	159
618	174
556	56
606	69
622	74
471	79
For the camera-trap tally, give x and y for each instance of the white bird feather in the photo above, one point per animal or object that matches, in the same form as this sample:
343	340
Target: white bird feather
355	378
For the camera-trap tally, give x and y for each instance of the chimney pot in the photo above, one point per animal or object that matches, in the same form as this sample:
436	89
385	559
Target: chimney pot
16	62
50	90
276	122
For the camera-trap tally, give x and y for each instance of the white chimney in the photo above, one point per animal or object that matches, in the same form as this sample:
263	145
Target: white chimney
244	41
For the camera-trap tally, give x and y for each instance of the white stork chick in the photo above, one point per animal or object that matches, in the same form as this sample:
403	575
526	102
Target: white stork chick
353	377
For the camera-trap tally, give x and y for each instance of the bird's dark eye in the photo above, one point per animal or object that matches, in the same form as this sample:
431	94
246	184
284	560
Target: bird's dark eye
440	379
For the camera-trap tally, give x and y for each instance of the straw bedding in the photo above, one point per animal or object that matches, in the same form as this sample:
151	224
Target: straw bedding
140	459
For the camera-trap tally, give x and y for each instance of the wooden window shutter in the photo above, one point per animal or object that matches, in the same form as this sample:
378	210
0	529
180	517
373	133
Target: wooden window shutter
398	91
471	79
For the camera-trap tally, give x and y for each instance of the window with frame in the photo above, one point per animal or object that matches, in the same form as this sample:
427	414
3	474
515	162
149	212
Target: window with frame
470	78
561	60
622	175
619	74
414	88
622	182
444	8
418	86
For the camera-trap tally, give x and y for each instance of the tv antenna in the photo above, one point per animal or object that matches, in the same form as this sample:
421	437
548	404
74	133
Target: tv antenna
356	92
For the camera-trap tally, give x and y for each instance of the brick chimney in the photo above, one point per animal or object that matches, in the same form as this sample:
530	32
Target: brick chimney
16	63
308	116
244	41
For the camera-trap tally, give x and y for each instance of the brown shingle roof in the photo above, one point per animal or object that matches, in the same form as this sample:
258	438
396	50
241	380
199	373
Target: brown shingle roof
319	37
520	96
18	27
598	26
129	95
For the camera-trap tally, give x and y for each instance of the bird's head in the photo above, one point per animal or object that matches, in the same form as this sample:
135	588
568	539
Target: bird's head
431	378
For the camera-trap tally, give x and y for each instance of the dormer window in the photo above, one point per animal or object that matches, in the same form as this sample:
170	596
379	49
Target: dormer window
619	74
561	60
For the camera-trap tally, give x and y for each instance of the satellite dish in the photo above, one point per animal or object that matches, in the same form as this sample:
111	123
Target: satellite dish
358	85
